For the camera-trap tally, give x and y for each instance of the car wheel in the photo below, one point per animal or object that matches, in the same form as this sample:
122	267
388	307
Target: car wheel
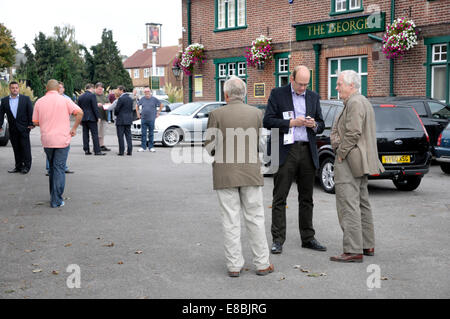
445	167
172	136
326	175
408	183
4	140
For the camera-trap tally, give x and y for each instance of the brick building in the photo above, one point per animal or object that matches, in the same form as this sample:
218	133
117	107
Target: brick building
325	35
139	65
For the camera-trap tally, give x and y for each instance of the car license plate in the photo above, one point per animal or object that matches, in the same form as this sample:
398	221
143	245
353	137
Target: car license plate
396	159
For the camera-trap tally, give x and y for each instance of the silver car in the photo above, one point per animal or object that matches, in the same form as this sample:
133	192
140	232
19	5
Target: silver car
186	123
4	134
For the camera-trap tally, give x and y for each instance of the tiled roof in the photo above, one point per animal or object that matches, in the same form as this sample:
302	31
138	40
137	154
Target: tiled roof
143	58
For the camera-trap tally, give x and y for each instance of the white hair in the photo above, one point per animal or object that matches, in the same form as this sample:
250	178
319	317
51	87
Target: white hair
351	77
235	88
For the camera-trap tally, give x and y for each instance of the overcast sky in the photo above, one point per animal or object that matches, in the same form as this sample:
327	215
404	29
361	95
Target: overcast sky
126	19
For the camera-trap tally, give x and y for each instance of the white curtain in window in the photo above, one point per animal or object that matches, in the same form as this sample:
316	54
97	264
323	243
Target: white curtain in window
241	13
231	13
438	82
354	4
221	14
341	5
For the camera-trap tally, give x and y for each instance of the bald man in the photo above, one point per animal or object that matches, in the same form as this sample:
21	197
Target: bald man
295	114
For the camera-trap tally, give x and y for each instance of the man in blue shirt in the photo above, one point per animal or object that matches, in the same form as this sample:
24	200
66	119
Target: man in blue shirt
19	111
148	116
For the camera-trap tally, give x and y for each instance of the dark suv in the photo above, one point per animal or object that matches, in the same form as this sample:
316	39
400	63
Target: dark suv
402	140
435	115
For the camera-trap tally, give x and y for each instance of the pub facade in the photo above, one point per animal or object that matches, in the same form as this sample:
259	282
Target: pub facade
325	35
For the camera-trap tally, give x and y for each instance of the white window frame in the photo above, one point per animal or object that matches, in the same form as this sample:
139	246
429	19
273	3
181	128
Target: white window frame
242	69
354	4
440	53
221	8
146	73
342	4
283	65
231	14
241	13
231	69
222	70
360	73
136	73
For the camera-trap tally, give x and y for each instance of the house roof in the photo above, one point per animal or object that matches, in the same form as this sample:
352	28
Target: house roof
143	58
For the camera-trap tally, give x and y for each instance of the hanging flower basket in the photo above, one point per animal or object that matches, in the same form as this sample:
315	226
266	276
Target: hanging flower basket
400	37
260	52
195	53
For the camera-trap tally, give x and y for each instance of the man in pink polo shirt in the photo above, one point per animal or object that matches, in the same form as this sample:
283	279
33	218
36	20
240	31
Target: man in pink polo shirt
52	114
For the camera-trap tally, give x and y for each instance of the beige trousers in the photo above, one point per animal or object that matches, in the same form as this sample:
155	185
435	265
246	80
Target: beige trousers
101	132
353	207
250	200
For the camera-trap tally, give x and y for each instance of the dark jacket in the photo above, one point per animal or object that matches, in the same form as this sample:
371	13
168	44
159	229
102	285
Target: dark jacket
280	101
24	114
88	103
124	110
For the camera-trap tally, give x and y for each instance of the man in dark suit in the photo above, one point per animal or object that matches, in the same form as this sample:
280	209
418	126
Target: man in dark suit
124	119
88	103
296	113
19	110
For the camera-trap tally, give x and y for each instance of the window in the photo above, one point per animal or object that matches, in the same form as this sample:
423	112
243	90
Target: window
345	6
146	73
282	69
159	71
230	14
439	111
438	68
420	108
136	73
226	68
440	53
336	65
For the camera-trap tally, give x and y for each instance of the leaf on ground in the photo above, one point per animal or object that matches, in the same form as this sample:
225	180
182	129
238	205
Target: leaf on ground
67	198
138	252
21	227
384	278
35	265
9	291
297	266
29	250
37	270
120	263
40	203
412	215
109	245
55	272
283	277
68	245
315	275
304	270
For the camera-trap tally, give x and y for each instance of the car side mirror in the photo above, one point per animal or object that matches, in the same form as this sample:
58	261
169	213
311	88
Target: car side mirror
202	115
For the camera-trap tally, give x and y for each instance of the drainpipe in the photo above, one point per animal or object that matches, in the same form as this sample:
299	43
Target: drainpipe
317	47
391	61
189	3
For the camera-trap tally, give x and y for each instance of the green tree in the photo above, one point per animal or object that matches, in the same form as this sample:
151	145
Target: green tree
7	48
107	65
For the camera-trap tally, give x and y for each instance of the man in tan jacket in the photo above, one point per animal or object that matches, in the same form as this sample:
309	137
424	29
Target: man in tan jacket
232	138
353	138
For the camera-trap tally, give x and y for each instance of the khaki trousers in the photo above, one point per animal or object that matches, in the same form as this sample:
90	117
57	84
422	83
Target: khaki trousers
353	207
101	132
250	200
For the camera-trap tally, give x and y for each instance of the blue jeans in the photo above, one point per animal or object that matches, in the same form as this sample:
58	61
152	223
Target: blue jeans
47	165
57	158
150	126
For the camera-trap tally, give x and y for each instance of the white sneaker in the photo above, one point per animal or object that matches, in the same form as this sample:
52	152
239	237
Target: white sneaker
152	150
141	150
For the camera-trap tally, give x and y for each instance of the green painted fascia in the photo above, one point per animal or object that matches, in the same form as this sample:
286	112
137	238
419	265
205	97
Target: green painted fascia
230	29
230	60
437	40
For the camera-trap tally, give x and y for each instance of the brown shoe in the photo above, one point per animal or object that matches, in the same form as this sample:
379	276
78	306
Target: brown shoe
369	252
234	273
266	271
348	258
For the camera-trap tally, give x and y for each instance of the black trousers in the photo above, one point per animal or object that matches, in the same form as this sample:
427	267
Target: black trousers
93	128
298	166
21	145
121	131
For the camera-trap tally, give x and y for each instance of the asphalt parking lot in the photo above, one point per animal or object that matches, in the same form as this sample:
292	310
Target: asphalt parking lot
145	227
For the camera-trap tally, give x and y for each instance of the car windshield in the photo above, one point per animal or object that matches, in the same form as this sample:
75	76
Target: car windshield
187	109
396	119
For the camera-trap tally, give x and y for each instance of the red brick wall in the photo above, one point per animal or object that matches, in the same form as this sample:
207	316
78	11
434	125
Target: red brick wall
275	19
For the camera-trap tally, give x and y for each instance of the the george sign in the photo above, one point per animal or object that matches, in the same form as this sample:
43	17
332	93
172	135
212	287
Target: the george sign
153	34
341	27
198	85
154	83
260	90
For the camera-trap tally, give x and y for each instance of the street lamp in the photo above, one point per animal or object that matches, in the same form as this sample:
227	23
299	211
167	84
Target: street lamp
176	71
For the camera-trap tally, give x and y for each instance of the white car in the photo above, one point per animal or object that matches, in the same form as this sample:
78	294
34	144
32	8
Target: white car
4	134
160	94
186	123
